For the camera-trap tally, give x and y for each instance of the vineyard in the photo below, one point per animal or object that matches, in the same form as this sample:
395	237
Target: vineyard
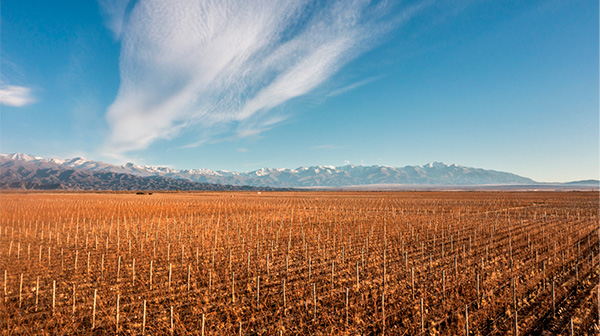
300	263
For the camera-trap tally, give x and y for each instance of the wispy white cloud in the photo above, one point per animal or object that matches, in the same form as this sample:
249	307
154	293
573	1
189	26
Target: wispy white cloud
13	95
115	13
195	144
352	86
201	63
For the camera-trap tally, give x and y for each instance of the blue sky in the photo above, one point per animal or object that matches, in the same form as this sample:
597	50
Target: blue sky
238	85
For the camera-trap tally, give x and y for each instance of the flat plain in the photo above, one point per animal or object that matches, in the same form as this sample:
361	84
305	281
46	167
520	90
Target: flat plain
290	263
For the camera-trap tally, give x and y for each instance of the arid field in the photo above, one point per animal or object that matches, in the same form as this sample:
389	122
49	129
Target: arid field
300	263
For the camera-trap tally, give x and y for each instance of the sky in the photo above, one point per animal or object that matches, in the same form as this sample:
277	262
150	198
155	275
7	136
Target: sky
240	85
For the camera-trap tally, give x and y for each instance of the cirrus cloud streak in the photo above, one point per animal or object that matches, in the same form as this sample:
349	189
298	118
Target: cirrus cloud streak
198	63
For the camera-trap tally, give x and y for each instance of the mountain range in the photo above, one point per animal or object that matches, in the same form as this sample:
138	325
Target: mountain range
21	171
32	172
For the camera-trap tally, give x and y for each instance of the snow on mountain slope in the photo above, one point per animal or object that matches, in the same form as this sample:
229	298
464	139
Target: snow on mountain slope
41	174
434	173
22	157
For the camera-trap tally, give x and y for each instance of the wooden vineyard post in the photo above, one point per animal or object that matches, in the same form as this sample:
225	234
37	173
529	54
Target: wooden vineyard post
332	268
240	329
133	272
384	268
357	279
267	265
94	310
346	307
284	298
571	327
232	287
466	320
422	319
188	277
516	325
151	274
382	313
362	258
202	329
21	290
170	269
5	279
455	265
37	292
118	268
478	293
257	289
73	301
172	327
53	296
444	286
117	315
144	319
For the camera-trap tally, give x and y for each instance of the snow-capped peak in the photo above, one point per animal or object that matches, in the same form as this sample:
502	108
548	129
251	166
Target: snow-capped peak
435	164
263	172
77	161
57	161
23	157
